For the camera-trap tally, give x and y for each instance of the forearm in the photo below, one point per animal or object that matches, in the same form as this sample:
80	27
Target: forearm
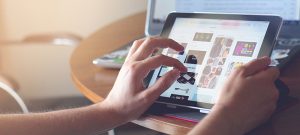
86	120
216	123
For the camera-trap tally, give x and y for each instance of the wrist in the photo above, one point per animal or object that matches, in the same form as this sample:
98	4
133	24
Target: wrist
110	109
103	111
231	122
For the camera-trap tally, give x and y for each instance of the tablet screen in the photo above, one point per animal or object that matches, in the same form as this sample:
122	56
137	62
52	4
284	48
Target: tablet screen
213	48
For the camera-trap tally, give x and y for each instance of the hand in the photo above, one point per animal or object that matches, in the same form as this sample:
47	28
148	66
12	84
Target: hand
129	98
249	96
247	99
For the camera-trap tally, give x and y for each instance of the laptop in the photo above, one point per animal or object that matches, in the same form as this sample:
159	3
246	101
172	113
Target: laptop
158	10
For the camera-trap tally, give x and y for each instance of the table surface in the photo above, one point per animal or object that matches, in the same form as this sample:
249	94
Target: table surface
95	83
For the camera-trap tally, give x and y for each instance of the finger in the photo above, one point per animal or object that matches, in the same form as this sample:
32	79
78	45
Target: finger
256	65
162	84
272	73
135	45
150	44
161	60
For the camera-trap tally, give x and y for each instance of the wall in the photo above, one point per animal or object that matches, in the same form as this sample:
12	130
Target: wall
1	22
82	17
39	72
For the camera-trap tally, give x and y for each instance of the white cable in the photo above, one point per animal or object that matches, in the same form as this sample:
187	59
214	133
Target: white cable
12	92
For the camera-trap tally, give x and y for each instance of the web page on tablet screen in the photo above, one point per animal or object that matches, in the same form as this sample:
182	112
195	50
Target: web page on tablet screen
213	48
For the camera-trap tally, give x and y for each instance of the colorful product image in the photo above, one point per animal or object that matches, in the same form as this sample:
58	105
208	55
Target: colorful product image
204	37
209	80
195	57
221	43
215	62
185	78
244	48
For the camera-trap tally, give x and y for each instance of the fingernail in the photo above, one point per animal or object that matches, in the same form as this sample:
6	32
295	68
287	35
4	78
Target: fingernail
180	49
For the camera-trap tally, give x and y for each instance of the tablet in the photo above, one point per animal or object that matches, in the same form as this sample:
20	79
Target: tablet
214	45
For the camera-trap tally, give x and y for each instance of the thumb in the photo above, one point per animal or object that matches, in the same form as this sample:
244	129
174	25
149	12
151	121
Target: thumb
162	84
256	66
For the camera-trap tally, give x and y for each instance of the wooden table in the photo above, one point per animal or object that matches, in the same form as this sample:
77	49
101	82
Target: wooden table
95	83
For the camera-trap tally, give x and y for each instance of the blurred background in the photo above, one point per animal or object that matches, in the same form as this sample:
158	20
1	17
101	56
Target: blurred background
19	19
29	57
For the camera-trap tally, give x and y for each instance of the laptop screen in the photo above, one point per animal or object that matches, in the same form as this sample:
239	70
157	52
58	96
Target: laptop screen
159	9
